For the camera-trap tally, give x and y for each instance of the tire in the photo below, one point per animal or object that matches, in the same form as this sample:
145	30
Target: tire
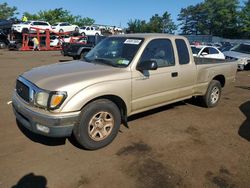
90	132
82	55
2	45
25	30
75	57
97	34
213	94
83	34
19	46
61	31
77	29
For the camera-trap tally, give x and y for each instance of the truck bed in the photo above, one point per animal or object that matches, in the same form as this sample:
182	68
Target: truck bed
202	60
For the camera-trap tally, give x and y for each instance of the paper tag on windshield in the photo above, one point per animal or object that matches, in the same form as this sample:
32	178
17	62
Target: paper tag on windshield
132	41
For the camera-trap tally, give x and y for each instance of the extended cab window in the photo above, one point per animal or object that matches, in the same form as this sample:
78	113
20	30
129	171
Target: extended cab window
182	50
161	51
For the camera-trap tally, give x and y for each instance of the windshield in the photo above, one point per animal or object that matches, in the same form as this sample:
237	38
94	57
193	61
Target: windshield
195	50
114	51
242	48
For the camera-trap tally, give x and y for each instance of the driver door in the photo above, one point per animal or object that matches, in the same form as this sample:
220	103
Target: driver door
154	87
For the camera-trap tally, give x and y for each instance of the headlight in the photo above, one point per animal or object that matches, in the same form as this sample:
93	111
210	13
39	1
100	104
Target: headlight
50	100
41	99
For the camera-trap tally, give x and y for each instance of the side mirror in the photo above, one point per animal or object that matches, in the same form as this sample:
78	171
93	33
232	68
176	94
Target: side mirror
147	65
204	53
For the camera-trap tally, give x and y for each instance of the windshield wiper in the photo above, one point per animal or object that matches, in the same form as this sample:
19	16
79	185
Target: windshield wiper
105	61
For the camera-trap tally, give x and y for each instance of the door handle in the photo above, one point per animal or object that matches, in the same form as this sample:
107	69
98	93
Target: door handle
174	74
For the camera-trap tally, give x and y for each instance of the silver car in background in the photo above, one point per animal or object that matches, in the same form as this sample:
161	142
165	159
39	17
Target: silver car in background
241	53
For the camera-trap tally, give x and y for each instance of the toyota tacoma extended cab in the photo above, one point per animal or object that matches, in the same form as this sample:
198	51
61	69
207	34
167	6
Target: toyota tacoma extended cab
121	76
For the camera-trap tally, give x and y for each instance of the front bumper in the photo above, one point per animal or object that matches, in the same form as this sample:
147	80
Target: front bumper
44	123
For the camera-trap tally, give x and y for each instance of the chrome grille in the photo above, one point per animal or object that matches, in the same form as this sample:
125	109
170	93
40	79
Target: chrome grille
22	90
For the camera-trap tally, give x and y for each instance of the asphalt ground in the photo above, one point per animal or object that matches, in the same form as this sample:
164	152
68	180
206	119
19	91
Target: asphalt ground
179	145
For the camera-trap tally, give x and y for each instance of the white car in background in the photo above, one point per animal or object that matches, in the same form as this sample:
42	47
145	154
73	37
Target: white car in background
89	30
241	53
64	27
207	52
25	27
56	41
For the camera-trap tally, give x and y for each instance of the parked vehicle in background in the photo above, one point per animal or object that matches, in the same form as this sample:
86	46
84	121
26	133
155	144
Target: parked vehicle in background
64	27
4	42
25	27
227	48
89	30
79	49
56	40
5	25
207	51
240	52
121	76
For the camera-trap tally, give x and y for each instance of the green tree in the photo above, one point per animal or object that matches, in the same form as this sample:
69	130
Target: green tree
245	20
80	21
6	11
156	24
214	17
222	16
59	15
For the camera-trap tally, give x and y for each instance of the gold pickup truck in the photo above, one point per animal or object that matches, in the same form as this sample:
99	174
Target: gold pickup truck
123	75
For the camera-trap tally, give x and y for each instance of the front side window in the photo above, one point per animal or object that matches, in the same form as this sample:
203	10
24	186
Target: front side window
114	51
160	51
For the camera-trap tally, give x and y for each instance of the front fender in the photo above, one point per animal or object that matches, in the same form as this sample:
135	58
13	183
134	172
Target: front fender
119	88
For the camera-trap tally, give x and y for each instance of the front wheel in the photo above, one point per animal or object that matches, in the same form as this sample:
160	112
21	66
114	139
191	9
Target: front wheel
77	29
213	94
99	124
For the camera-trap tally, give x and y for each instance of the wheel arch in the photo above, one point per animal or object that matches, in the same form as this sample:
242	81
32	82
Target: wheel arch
220	78
118	101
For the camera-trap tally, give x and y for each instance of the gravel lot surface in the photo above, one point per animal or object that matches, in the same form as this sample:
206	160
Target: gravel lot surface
179	145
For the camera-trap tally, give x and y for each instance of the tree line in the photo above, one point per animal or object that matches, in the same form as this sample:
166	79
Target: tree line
51	16
223	18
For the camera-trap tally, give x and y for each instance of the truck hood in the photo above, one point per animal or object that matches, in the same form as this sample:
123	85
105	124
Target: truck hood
237	55
73	76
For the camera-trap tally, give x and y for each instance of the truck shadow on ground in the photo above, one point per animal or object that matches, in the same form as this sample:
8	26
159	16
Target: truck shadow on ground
243	87
244	130
40	138
31	181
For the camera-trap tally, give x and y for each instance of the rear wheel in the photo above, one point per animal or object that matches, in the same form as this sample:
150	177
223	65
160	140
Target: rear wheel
2	45
213	94
18	46
61	31
83	34
99	124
